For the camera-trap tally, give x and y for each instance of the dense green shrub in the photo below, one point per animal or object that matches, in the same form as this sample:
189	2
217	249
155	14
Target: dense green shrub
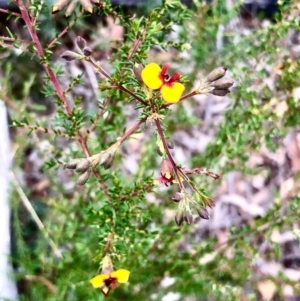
102	111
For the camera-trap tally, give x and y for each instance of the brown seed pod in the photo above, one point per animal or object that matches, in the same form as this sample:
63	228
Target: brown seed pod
104	157
216	74
83	165
177	197
87	51
59	5
87	5
70	9
70	55
203	213
179	218
159	151
137	70
188	217
223	83
109	162
72	164
170	144
220	92
82	179
80	42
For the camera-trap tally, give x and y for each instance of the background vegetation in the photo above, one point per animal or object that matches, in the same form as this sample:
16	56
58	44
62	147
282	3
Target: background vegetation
249	249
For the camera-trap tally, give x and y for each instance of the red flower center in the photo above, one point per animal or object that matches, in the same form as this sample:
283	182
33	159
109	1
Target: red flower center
166	181
111	282
166	78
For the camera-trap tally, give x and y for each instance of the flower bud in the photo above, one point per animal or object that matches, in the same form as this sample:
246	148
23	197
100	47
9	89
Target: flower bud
170	144
177	197
87	51
82	165
223	83
166	169
70	9
137	70
216	74
83	177
80	42
59	5
220	92
70	55
209	202
158	149
203	213
179	218
188	217
87	5
103	157
109	162
72	164
107	265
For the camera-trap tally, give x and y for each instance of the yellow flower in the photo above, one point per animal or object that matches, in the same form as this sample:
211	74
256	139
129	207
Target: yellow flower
156	78
109	278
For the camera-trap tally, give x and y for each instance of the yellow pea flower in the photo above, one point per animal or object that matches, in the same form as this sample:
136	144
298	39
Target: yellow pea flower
109	278
156	78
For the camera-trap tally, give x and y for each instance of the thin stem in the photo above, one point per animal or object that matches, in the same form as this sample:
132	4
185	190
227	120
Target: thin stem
46	130
100	113
34	215
7	100
207	200
165	145
15	40
120	87
57	87
42	2
136	45
135	193
9	46
47	283
40	52
98	69
202	171
132	130
162	137
6	11
52	43
120	141
110	238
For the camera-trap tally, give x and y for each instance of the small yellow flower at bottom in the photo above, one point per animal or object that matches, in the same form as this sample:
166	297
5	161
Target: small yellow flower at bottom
107	281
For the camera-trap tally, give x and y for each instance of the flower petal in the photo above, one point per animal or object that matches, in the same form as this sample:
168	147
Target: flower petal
105	290
173	92
121	275
150	76
98	280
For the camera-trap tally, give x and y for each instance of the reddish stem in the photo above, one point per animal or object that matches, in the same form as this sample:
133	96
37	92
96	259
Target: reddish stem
6	11
51	44
132	130
162	137
100	113
54	80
